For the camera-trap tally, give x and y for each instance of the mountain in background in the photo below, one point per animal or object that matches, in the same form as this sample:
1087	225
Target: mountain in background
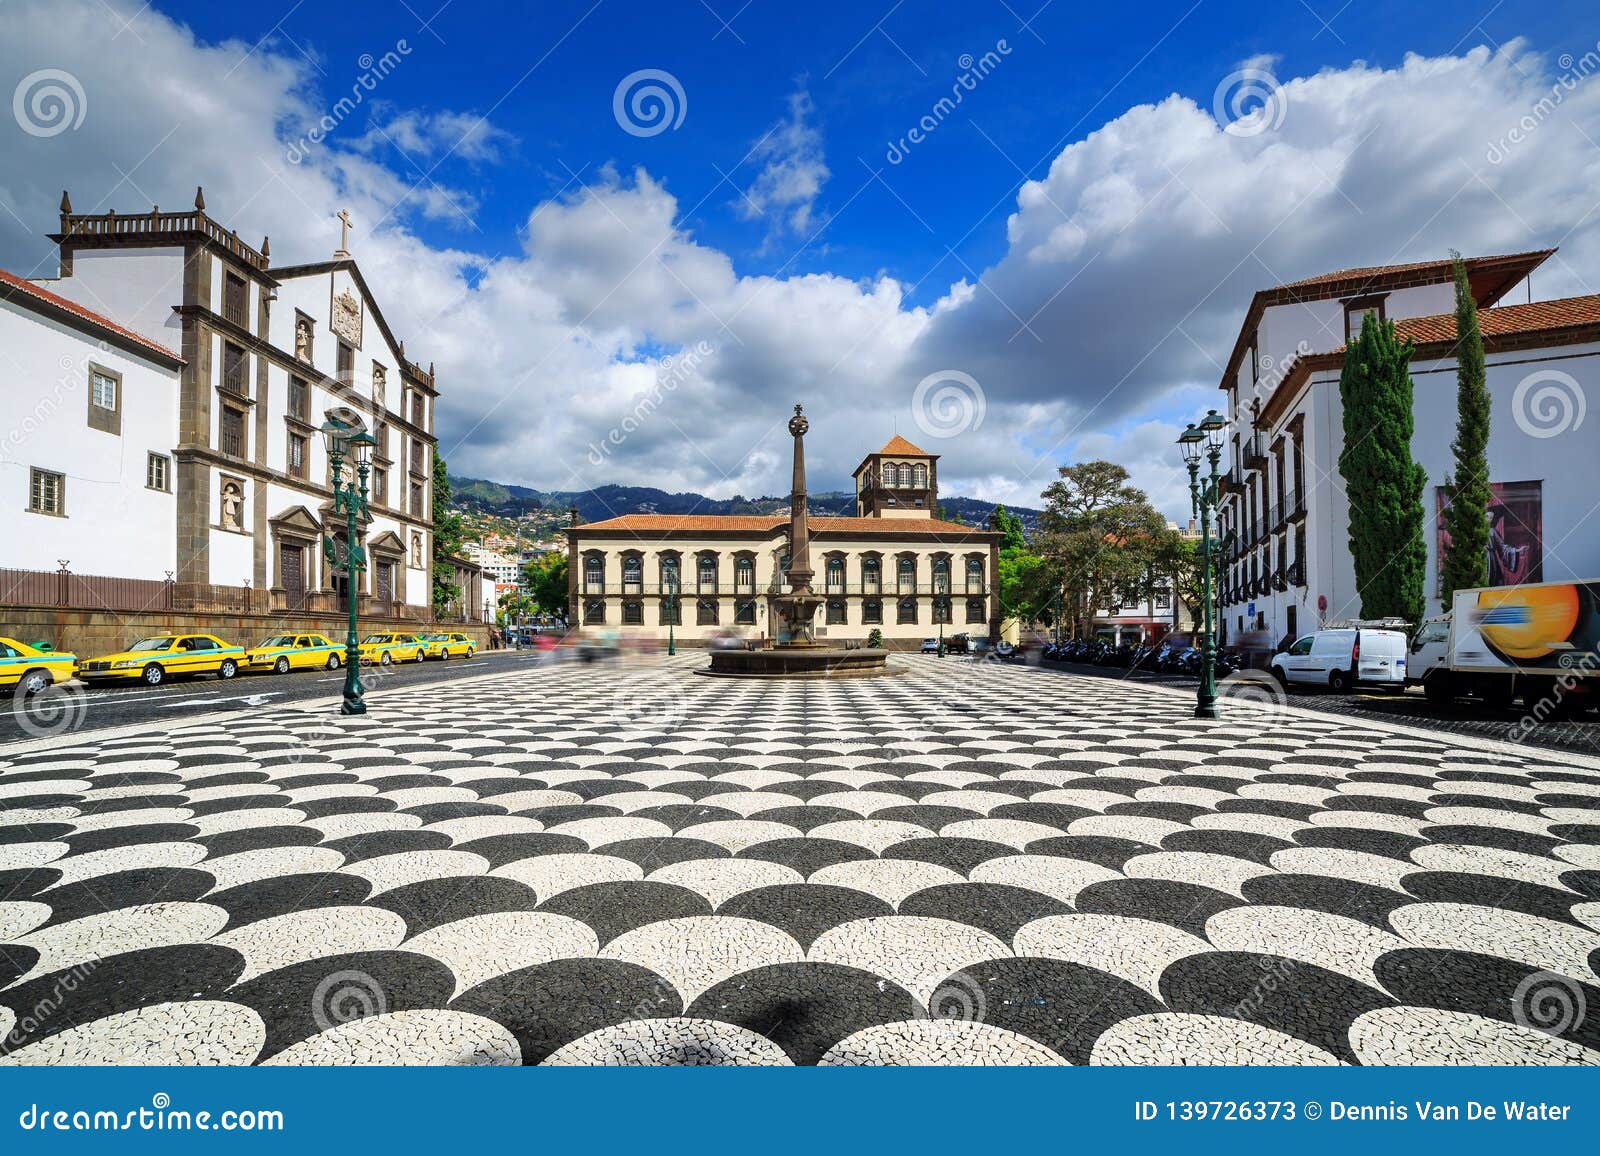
549	507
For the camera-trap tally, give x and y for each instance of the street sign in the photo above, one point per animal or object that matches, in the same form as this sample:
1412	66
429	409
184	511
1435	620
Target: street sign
1250	610
1322	603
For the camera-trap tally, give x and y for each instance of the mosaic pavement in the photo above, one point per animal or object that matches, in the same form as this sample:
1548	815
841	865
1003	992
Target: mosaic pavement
967	864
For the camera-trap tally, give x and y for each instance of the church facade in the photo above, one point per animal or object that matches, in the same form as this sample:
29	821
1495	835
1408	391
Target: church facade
185	379
892	567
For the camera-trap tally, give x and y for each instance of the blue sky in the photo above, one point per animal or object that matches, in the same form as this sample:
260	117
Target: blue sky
1055	272
871	70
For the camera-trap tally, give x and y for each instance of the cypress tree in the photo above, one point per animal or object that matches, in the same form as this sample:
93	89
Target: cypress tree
1466	520
1382	482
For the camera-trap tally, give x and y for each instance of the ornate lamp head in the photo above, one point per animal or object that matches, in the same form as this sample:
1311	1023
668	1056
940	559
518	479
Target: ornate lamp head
798	424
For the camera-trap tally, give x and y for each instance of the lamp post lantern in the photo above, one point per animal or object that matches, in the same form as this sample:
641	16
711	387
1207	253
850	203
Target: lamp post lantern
1205	439
344	442
672	612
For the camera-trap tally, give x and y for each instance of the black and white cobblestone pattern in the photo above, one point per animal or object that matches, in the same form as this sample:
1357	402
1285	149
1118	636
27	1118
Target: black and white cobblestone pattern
968	864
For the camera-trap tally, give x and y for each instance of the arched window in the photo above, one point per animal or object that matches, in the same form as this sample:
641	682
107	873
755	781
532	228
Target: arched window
888	474
632	572
974	575
594	573
872	574
907	576
707	571
744	573
919	477
905	474
941	575
835	575
670	577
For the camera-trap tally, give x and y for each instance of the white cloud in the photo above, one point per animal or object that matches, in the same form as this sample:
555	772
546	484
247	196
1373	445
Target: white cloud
419	135
1129	263
792	174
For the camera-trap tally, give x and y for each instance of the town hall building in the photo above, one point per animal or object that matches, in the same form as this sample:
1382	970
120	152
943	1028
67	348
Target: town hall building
893	567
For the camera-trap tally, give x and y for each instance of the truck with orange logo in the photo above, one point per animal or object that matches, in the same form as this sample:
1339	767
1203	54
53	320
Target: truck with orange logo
1538	642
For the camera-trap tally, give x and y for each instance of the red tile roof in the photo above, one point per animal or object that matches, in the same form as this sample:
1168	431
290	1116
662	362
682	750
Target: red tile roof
13	287
1506	320
1490	277
771	524
1441	267
899	445
755	524
1565	319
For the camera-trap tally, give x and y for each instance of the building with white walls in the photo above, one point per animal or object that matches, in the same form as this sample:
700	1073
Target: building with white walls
1284	500
222	367
894	567
89	409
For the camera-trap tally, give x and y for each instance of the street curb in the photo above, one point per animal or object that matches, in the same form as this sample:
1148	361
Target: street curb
1498	746
28	746
303	706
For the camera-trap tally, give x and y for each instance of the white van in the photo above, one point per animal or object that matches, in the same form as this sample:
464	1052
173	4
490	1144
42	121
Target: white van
1342	658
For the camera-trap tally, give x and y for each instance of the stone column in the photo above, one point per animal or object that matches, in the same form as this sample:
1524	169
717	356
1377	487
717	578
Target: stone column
799	572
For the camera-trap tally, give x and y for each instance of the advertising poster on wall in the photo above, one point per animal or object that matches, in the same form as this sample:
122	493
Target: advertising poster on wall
1516	531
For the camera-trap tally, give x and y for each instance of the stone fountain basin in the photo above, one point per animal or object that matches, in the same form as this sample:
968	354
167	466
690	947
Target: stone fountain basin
801	662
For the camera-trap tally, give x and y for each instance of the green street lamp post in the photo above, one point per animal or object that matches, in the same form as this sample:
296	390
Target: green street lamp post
672	612
350	499
1204	493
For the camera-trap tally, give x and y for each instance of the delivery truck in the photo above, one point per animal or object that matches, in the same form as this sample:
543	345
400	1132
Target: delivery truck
1538	642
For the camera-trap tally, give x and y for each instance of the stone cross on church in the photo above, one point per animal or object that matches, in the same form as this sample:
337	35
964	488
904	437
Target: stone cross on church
345	225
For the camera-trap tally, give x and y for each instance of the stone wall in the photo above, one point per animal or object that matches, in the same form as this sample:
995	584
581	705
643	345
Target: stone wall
87	633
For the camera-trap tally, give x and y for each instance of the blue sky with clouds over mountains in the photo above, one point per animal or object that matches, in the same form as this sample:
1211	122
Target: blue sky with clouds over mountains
1082	249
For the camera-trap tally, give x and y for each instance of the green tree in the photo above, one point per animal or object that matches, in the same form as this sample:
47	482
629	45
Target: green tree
1383	484
1026	585
1010	526
1466	518
546	582
1178	557
1100	535
447	536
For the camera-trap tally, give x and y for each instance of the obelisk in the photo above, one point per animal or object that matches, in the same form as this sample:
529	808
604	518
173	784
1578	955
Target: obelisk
801	603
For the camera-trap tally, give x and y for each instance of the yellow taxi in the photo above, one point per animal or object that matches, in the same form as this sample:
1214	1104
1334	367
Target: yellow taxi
384	649
449	645
155	659
285	652
32	668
